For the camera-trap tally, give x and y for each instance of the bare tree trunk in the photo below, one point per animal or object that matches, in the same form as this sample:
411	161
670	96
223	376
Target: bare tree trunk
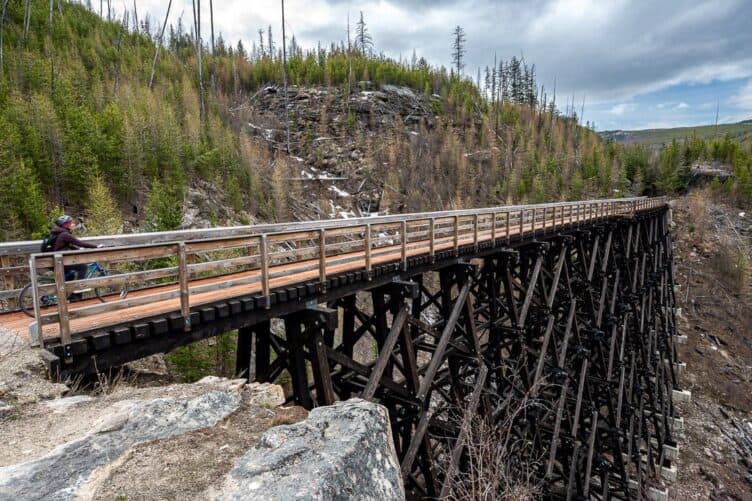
27	19
211	17
52	50
235	87
135	16
284	76
197	24
159	44
2	27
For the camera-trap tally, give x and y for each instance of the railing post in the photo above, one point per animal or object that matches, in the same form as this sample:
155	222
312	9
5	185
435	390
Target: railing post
36	333
553	219
475	232
532	223
493	229
62	306
431	235
522	222
185	293
367	244
322	259
264	249
456	235
403	229
509	237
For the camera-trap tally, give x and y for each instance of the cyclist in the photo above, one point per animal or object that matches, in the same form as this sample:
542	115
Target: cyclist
61	239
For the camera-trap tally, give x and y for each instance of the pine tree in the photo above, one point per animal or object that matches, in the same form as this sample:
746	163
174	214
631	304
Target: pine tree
164	207
103	215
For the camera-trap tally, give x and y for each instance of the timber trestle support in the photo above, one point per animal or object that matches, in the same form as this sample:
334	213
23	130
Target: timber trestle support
543	334
566	341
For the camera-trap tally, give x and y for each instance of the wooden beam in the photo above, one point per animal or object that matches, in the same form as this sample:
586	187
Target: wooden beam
385	353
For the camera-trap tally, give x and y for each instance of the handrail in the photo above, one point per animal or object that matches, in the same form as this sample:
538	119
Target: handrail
317	247
28	247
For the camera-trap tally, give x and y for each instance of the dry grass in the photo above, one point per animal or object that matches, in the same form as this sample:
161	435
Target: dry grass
499	465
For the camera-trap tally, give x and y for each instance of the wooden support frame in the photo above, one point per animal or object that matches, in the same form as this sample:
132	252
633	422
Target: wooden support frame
578	320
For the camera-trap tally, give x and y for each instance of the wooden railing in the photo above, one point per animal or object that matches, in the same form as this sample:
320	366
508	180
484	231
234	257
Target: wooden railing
268	255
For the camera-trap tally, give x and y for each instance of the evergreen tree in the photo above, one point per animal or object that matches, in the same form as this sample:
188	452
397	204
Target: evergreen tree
103	215
164	207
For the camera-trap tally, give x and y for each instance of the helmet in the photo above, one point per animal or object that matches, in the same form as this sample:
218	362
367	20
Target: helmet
60	221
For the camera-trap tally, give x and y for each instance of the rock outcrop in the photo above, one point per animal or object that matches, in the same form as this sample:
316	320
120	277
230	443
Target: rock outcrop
342	451
66	470
218	438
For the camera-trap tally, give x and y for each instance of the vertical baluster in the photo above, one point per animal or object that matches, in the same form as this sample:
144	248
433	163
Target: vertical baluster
368	250
475	232
431	235
183	278
493	229
403	229
322	258
264	244
456	235
62	305
37	336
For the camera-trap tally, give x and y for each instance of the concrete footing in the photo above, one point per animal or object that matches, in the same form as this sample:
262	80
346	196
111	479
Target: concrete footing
671	452
669	473
653	493
681	395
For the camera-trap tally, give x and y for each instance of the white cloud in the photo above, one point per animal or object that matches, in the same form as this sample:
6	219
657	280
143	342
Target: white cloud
743	97
682	106
621	108
613	52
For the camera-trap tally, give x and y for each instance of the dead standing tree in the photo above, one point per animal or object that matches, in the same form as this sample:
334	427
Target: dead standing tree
159	45
199	64
363	39
2	27
284	75
458	49
211	22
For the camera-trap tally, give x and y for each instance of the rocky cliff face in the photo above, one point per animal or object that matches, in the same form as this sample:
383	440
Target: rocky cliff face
337	140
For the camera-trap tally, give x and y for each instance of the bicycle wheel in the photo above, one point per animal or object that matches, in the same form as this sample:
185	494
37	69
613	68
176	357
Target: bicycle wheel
112	293
26	301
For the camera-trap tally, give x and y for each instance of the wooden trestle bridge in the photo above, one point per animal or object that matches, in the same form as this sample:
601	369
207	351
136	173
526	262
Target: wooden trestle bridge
556	319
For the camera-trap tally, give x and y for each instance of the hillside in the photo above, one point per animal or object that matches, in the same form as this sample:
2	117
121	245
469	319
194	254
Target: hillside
655	138
86	134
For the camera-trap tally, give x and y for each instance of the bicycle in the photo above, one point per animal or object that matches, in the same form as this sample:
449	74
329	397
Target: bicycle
26	299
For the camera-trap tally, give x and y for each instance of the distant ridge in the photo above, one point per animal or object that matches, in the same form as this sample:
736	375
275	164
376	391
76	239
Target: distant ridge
658	137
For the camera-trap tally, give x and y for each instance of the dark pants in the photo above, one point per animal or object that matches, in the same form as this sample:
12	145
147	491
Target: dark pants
75	272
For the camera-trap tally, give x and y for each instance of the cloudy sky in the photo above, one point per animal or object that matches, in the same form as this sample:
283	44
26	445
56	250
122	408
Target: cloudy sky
637	64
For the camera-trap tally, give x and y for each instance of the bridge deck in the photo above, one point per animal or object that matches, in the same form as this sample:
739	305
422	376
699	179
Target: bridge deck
294	262
293	274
